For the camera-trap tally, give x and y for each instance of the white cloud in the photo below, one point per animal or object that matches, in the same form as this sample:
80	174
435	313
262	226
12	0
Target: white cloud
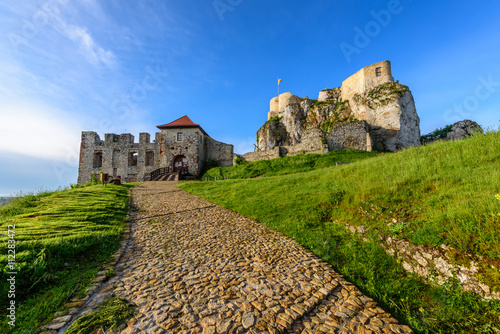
39	131
94	53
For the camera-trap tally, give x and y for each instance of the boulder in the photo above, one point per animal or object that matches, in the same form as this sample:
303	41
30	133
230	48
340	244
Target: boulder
463	129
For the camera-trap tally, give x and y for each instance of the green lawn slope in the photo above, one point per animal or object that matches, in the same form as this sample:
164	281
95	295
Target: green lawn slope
286	165
442	193
62	238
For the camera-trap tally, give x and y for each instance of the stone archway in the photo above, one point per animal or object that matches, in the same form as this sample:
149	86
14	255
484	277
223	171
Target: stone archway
180	164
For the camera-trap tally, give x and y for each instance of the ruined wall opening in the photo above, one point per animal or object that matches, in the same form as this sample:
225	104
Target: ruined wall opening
378	71
132	159
150	158
97	159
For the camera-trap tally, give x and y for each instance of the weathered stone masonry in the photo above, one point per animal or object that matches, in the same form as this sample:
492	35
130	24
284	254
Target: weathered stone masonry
181	143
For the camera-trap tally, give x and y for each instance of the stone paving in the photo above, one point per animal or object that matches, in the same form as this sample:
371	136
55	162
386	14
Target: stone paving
195	267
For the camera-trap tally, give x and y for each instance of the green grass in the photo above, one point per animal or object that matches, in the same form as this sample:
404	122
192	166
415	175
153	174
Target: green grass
444	192
109	315
62	239
287	165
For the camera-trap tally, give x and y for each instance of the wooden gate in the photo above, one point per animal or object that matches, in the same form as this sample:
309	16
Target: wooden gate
180	163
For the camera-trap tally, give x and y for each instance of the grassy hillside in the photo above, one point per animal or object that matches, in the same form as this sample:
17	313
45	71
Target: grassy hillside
443	193
62	238
286	165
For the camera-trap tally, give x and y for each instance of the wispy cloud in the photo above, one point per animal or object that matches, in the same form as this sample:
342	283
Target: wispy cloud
94	53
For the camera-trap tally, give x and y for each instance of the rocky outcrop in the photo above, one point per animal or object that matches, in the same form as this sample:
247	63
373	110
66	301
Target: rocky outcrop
387	108
463	129
390	110
439	264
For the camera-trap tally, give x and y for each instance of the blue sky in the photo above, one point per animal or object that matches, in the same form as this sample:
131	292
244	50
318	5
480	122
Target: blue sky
126	66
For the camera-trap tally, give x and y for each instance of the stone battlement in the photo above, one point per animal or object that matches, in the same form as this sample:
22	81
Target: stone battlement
181	145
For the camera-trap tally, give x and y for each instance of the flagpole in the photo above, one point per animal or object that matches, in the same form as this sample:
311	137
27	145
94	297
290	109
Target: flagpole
278	95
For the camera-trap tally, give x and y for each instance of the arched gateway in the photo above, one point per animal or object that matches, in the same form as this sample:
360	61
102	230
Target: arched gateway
180	164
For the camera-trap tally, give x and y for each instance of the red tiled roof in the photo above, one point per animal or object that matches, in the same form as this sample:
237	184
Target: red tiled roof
183	122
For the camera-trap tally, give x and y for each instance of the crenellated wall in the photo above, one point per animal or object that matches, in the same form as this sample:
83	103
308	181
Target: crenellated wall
120	157
117	159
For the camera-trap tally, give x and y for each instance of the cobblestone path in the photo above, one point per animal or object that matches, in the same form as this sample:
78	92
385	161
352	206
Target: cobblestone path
195	267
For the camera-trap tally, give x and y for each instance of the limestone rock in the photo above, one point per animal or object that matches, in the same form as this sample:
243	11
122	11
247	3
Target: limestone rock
248	320
330	95
273	133
463	129
370	95
390	111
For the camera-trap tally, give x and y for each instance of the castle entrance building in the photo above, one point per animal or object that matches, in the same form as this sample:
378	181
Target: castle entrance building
181	146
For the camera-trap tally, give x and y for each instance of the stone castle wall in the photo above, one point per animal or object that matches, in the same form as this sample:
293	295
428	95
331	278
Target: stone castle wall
115	156
312	141
353	135
279	103
262	155
191	147
369	95
120	157
366	79
221	152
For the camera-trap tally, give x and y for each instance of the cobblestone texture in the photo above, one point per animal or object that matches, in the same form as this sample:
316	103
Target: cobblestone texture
194	267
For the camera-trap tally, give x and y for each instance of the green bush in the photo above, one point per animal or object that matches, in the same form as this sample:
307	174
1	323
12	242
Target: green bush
440	133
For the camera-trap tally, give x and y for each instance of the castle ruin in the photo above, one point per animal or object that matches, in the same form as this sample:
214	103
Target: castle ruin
181	148
370	111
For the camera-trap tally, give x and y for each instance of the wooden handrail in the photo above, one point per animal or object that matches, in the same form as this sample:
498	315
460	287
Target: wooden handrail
159	172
